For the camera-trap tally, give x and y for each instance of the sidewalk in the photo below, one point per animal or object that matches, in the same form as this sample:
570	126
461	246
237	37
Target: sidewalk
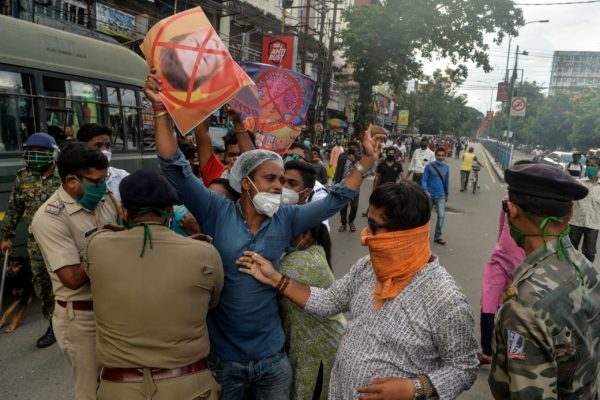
518	155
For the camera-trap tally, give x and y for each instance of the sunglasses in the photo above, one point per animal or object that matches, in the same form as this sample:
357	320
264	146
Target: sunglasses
293	156
95	182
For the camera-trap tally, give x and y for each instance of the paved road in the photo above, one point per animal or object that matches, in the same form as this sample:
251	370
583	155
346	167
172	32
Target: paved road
470	229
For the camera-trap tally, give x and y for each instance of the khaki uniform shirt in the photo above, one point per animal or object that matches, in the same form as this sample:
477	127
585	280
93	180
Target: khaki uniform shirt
151	310
62	227
545	341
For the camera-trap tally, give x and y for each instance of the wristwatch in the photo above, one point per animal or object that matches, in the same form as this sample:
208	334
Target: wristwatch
419	393
361	169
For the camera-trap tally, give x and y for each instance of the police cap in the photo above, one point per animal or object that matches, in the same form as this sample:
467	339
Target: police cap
543	181
147	189
41	139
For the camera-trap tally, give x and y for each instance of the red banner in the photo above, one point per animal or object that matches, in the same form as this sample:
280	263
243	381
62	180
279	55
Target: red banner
279	51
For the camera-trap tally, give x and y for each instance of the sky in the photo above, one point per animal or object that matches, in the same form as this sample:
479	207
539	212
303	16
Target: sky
571	27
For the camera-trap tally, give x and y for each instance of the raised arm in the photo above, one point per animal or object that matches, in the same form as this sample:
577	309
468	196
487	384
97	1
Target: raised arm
166	145
241	133
203	143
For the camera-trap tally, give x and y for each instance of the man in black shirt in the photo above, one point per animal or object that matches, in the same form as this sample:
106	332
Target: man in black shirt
388	170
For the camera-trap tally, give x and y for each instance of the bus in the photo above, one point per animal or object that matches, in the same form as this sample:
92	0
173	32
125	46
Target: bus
55	81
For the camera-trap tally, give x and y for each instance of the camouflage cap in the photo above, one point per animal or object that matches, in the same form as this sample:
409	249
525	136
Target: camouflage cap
543	181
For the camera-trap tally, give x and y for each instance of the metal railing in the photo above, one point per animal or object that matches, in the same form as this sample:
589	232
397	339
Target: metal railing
502	152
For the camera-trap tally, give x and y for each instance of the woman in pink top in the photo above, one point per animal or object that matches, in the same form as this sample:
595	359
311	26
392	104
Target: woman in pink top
497	276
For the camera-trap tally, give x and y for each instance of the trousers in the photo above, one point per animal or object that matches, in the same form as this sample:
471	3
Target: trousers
590	237
75	333
344	217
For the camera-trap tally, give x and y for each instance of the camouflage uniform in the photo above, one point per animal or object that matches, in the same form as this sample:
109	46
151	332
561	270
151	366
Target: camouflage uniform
546	340
30	190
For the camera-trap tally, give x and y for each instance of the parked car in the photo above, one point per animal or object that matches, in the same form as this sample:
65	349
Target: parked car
560	159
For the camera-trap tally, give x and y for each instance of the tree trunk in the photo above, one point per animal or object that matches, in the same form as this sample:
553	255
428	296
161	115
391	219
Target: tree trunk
365	99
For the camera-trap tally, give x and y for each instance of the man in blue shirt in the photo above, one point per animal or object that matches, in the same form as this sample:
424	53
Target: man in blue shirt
245	329
435	182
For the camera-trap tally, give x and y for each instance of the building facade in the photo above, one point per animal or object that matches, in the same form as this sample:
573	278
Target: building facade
574	71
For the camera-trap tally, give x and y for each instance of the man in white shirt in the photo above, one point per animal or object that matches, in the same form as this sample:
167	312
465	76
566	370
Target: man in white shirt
421	157
585	222
99	137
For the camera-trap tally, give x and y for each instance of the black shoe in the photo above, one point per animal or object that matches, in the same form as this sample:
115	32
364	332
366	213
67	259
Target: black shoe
47	339
364	214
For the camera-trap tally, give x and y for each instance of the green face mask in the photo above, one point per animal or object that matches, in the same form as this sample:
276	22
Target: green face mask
147	232
92	194
38	161
591	171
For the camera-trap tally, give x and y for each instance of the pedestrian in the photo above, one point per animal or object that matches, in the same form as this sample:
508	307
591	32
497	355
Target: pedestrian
152	346
421	157
311	342
497	277
61	226
319	167
388	169
410	330
586	213
335	154
247	340
345	219
465	168
99	137
436	181
545	341
458	149
575	167
33	185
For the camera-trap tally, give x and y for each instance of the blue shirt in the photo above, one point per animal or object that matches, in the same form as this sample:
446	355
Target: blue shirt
432	182
245	326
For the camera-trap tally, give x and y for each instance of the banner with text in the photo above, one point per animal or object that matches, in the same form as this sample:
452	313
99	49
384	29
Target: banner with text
280	51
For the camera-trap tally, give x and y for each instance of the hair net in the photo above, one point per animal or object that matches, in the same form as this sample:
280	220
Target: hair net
246	163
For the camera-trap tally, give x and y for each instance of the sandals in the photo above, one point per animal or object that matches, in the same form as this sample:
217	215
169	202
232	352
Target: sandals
440	241
352	227
342	228
484	359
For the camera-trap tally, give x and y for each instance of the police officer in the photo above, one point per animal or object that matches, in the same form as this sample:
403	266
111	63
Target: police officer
33	185
62	226
545	343
152	292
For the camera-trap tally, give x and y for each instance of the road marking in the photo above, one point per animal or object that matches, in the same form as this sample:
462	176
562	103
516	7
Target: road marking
487	188
489	169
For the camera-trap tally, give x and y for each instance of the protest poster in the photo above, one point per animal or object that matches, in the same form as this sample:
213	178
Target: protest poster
197	72
276	116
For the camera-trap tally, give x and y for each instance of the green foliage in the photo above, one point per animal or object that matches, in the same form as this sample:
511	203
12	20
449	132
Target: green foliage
584	118
384	42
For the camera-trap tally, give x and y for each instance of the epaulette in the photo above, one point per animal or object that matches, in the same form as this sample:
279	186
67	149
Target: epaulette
202	237
54	207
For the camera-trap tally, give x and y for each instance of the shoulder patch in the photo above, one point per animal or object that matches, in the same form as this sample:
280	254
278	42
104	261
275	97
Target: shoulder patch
516	346
54	207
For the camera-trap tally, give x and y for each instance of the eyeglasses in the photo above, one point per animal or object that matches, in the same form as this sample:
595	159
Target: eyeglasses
374	226
505	206
95	182
293	156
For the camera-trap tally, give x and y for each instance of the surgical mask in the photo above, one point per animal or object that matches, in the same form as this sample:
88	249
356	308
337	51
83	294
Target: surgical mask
591	171
92	194
38	161
439	162
107	154
289	196
265	203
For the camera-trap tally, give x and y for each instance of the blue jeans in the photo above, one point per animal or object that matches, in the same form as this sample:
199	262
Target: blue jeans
267	379
439	202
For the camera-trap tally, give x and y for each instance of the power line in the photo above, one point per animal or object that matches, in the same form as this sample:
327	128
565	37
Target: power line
558	4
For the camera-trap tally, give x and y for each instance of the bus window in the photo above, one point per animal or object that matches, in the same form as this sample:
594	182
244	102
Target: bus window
70	104
130	118
16	112
124	118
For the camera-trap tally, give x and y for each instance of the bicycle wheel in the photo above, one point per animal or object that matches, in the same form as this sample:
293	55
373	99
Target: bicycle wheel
475	184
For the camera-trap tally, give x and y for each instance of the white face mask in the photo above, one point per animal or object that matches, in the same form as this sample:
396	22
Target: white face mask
107	154
288	196
266	203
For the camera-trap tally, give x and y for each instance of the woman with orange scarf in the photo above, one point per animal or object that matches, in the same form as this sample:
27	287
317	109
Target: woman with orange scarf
410	329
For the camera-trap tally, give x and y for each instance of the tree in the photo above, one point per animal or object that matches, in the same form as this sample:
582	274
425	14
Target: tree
384	42
585	119
522	127
552	127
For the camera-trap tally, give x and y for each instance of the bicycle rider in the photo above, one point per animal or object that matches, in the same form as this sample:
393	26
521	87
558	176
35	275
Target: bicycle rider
466	167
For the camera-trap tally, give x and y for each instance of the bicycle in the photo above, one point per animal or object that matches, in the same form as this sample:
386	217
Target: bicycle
476	168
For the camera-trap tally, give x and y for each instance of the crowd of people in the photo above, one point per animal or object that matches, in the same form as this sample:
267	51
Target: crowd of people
214	279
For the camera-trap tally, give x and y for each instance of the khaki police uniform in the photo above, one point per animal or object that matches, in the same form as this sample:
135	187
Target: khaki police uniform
62	228
151	312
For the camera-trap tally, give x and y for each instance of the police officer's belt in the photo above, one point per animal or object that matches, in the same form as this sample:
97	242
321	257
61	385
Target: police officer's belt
78	305
133	375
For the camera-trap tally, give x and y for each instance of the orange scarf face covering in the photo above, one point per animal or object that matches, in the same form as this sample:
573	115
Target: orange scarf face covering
396	258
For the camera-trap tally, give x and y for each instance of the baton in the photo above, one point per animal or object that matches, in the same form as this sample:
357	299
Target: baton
4	267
